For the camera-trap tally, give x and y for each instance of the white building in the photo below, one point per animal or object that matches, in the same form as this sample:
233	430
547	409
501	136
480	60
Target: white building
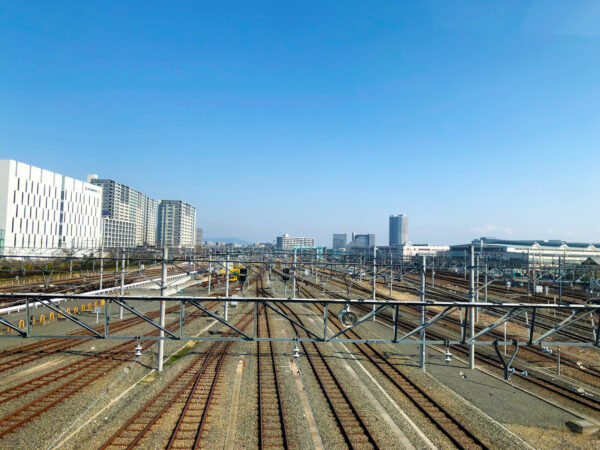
410	250
121	204
287	242
118	233
176	224
42	210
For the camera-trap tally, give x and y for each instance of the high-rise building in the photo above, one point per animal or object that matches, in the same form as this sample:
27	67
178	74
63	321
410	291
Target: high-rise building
176	224
287	242
398	230
199	236
339	241
122	204
42	210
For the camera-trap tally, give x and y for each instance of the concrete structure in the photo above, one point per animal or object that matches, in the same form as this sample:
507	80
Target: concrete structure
199	236
42	210
529	253
287	242
124	204
339	241
398	230
176	224
360	241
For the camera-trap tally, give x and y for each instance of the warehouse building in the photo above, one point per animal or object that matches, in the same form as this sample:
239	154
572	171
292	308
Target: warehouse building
41	211
528	252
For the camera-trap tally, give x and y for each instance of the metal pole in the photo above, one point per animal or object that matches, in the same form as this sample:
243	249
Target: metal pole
477	287
294	275
101	265
163	293
122	280
559	280
374	290
558	361
472	310
433	272
423	269
391	274
485	283
209	273
226	285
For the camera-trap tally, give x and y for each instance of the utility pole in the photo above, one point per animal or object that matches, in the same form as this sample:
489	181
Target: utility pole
163	293
433	272
472	310
423	269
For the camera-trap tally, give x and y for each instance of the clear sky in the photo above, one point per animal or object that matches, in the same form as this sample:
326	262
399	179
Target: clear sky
472	117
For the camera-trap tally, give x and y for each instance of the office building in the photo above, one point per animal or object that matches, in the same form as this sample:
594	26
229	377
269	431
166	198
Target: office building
199	236
42	210
361	241
398	230
121	204
176	224
339	241
287	242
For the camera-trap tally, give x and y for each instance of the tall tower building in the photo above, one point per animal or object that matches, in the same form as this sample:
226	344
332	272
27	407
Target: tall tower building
339	241
398	229
176	224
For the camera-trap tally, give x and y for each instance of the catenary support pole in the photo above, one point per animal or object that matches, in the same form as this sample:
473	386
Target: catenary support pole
122	280
163	292
422	352
472	310
226	285
374	290
101	265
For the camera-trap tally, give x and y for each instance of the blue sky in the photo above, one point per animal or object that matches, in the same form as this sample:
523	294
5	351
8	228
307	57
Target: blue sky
474	118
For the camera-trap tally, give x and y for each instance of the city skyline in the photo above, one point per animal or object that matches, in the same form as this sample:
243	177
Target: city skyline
484	114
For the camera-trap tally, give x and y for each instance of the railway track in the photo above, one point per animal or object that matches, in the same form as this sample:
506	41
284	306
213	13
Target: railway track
272	428
188	396
351	423
571	394
588	369
449	425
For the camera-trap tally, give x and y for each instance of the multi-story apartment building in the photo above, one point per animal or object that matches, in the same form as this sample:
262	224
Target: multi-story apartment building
176	224
287	242
42	210
339	241
121	204
398	230
199	236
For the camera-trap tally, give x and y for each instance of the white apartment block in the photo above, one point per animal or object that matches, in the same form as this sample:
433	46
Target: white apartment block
287	242
41	211
176	224
124	204
118	233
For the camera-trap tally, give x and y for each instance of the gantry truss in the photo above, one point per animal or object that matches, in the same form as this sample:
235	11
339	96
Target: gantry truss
553	330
